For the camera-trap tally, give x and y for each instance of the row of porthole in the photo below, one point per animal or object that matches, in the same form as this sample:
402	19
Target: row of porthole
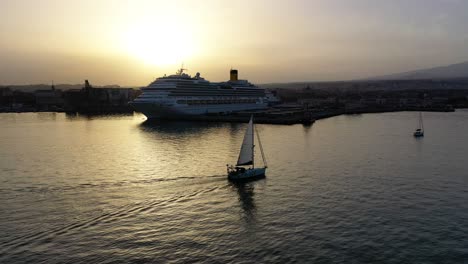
239	101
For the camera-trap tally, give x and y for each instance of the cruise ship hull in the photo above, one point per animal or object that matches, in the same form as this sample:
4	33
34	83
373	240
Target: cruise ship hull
160	111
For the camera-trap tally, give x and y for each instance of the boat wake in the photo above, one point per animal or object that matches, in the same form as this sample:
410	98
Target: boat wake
23	242
82	186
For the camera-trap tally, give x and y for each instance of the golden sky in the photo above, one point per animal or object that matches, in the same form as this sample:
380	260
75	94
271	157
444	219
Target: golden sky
132	42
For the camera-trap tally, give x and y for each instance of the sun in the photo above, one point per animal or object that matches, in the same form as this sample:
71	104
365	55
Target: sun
160	44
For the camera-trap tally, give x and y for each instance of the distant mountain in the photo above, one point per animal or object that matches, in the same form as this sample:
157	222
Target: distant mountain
454	71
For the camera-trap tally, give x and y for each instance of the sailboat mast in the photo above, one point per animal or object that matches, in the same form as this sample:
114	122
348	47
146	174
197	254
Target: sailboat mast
421	124
253	143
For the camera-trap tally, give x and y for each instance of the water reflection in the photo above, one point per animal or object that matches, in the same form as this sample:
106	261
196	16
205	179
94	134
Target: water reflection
176	127
307	128
47	116
245	192
235	128
188	127
72	116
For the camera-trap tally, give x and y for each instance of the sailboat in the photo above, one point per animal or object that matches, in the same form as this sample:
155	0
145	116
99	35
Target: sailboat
420	130
245	167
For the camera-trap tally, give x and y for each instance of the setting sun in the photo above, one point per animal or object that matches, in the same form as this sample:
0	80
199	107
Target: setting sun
163	42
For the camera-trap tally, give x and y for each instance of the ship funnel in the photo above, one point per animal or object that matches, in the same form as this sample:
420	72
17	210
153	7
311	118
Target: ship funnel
233	75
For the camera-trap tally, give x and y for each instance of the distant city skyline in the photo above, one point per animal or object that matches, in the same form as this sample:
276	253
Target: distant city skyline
131	43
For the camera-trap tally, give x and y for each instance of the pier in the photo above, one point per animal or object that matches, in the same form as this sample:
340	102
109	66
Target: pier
268	116
295	114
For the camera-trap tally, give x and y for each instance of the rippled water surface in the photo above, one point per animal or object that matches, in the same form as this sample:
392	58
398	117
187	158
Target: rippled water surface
349	189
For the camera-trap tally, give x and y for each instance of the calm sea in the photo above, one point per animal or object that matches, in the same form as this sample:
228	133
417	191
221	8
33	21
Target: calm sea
348	189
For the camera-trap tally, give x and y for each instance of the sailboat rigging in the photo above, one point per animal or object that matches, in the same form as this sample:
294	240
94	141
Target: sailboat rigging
420	130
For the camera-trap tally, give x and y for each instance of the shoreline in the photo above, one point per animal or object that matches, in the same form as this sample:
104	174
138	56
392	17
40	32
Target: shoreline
270	116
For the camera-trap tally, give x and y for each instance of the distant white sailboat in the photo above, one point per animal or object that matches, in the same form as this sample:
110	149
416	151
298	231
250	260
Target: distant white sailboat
420	130
247	157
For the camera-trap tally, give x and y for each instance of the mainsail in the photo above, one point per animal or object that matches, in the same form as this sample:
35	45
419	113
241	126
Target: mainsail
246	152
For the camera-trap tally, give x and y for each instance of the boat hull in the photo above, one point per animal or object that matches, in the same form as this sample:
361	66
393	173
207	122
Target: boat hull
159	111
248	174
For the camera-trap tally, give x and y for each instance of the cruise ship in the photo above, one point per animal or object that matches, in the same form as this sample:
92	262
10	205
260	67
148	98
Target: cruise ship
180	94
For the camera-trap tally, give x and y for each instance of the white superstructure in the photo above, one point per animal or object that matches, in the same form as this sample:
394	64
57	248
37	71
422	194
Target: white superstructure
183	95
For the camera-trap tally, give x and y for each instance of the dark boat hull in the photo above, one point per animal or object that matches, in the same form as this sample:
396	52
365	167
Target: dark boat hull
248	174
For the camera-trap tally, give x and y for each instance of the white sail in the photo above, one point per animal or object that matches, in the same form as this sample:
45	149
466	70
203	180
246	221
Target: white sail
246	152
